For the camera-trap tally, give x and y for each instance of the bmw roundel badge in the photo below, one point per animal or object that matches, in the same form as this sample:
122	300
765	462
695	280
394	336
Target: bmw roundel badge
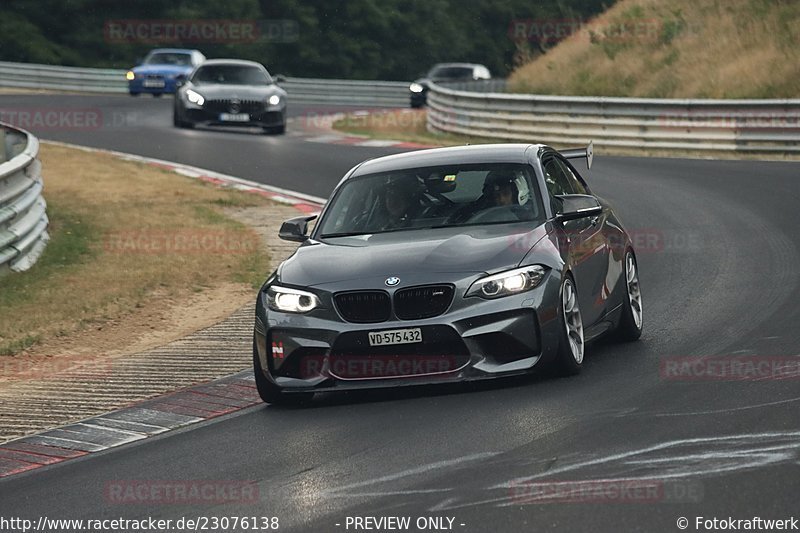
391	282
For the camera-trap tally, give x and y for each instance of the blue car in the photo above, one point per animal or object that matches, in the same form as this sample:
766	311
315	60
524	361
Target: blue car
160	71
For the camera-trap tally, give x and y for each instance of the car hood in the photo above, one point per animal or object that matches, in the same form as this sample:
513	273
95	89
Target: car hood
168	70
480	249
244	92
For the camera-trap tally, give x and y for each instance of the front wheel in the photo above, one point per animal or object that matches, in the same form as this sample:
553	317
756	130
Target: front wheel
276	130
569	357
630	324
269	392
178	123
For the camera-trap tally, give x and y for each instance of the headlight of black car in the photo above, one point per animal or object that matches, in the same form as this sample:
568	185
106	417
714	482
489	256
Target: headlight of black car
508	283
289	300
195	97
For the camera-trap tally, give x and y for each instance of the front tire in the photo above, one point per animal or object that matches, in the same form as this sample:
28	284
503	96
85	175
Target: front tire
269	392
178	123
630	323
275	130
569	357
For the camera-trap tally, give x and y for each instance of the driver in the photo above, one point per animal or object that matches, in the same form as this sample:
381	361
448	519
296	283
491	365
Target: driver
399	202
505	188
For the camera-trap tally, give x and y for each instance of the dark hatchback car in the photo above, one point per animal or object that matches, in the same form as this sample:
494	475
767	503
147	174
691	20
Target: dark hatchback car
231	92
418	90
162	70
446	265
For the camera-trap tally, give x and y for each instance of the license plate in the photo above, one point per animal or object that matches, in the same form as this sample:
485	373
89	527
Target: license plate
234	117
154	83
395	336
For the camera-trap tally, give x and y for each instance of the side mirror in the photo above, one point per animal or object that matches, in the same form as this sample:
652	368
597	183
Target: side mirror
280	78
180	80
574	206
295	229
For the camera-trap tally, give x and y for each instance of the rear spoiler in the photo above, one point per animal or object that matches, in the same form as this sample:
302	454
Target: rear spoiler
580	153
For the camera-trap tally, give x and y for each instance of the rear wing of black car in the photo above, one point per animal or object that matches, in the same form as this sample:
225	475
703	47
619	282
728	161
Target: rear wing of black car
580	153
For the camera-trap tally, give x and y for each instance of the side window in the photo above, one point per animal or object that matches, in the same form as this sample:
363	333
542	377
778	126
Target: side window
555	178
575	182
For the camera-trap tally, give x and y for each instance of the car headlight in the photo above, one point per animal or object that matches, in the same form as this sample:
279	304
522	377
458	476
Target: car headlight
130	75
415	87
509	282
195	97
291	300
274	99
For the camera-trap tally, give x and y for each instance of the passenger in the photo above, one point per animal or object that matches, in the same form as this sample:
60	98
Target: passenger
504	188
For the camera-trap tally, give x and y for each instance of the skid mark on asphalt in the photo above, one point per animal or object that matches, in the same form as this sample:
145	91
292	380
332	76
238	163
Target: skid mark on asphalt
658	464
344	490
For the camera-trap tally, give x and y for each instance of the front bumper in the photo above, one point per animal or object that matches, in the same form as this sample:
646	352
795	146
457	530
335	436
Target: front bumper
262	119
476	339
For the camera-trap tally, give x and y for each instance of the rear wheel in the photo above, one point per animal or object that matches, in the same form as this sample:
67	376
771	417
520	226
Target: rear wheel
135	94
269	392
630	324
569	358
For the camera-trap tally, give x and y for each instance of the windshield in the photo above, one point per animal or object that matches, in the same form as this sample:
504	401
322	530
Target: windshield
231	75
169	58
433	197
442	73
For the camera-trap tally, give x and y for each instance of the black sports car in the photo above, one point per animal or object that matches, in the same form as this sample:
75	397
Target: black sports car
231	92
418	90
446	265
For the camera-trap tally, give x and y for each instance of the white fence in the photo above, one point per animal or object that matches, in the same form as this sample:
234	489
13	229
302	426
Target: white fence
761	126
303	90
23	220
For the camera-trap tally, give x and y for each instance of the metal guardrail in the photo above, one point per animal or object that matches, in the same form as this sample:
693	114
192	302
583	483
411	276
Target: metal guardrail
758	126
23	220
303	90
356	92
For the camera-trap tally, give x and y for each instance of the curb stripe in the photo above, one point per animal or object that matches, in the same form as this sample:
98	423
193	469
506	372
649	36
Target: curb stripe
163	413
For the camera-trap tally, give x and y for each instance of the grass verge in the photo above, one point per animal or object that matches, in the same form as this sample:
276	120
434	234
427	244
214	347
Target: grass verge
675	49
408	125
123	234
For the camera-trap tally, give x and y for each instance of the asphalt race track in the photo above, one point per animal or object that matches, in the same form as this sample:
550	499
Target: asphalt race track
718	256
